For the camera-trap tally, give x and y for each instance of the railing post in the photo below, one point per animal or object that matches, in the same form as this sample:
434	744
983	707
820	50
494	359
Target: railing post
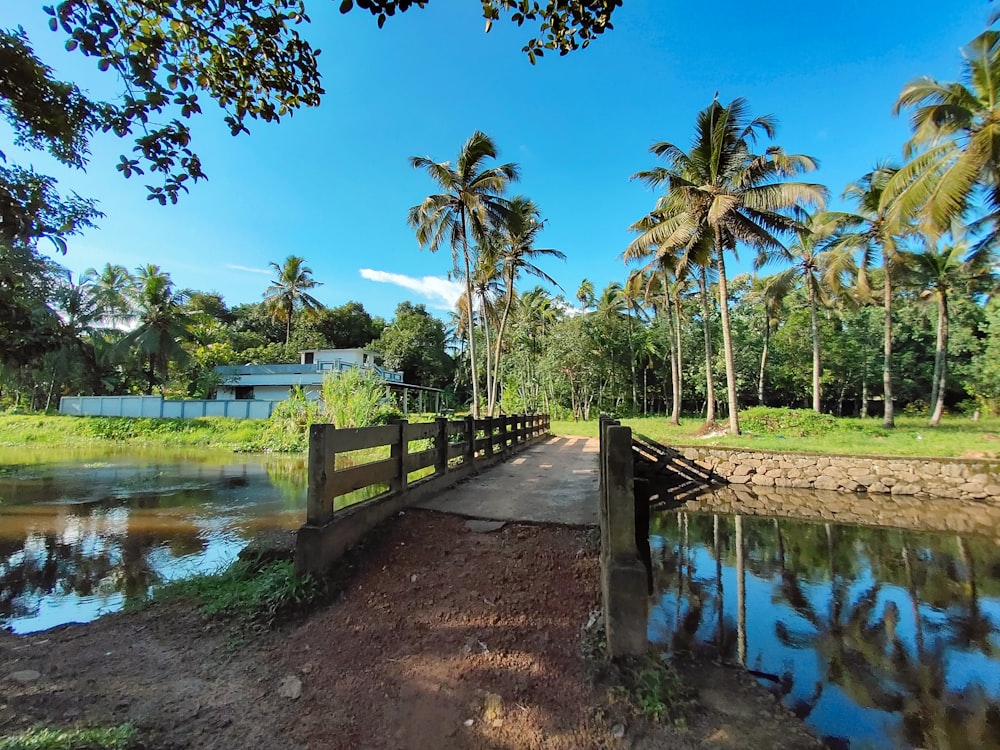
441	446
489	436
470	440
318	509
503	434
398	452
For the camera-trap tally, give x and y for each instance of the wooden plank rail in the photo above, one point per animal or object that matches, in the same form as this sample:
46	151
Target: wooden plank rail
385	456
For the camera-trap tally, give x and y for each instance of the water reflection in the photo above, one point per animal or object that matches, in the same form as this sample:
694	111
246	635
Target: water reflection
83	535
878	637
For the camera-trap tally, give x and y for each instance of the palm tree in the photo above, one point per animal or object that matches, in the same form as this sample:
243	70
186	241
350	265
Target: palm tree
725	191
820	266
471	202
162	323
956	139
518	256
585	295
288	291
772	291
871	230
110	288
487	288
938	273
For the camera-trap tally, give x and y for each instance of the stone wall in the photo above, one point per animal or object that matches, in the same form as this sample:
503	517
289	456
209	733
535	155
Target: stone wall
966	479
912	512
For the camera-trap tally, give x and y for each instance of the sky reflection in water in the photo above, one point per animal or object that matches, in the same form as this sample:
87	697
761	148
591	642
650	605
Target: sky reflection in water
81	536
882	637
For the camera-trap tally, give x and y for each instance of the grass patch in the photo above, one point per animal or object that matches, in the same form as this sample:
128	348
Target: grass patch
254	595
18	430
46	738
652	689
801	430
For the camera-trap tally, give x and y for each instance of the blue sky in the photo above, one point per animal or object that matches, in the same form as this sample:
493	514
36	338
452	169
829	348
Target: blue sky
333	184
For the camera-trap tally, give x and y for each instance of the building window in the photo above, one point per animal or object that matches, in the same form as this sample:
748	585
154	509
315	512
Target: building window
244	392
308	358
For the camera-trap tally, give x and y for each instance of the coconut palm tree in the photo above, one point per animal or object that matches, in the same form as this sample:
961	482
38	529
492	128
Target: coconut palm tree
771	291
585	295
938	273
518	255
955	144
162	323
470	203
110	288
820	267
288	291
487	290
723	190
870	231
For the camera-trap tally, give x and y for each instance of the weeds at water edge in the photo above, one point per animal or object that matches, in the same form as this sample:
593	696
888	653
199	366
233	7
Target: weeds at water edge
93	738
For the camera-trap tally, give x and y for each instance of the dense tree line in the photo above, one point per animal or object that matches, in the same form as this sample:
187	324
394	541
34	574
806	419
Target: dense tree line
889	302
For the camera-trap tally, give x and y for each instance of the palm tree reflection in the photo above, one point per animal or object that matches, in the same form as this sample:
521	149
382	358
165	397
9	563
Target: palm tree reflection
902	624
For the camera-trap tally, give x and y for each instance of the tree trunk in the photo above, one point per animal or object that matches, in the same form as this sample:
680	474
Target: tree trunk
814	323
645	391
631	359
763	360
864	372
675	331
889	418
489	357
727	338
674	368
707	330
496	356
940	360
471	320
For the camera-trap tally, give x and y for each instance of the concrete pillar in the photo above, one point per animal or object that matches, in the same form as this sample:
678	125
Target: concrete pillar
623	576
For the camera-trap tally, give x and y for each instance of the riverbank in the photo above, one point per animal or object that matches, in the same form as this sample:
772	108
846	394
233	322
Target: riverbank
802	431
444	637
783	430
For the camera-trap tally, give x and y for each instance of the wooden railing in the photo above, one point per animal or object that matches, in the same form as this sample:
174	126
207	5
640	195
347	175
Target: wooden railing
407	473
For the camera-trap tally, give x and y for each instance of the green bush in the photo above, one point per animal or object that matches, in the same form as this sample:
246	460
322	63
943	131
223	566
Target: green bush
356	398
789	422
287	429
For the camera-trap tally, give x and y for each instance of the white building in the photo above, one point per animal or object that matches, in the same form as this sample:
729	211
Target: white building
274	382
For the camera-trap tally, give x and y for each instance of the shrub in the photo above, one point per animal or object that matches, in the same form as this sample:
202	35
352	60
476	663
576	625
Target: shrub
356	398
789	422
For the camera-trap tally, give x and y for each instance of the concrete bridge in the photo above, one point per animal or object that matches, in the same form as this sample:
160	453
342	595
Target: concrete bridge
553	481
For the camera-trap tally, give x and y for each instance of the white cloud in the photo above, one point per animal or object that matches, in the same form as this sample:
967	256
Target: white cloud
442	294
566	308
248	269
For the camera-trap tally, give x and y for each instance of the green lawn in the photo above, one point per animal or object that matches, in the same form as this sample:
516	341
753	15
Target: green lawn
764	429
797	430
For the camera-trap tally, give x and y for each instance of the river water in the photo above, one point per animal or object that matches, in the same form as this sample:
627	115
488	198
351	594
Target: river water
877	637
83	533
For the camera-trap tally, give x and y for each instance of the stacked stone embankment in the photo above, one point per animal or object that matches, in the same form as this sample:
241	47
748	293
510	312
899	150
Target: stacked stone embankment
965	479
912	512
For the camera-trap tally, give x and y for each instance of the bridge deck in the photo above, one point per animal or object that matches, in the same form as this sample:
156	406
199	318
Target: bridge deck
554	481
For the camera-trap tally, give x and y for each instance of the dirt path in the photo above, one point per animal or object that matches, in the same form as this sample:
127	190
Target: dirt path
445	638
